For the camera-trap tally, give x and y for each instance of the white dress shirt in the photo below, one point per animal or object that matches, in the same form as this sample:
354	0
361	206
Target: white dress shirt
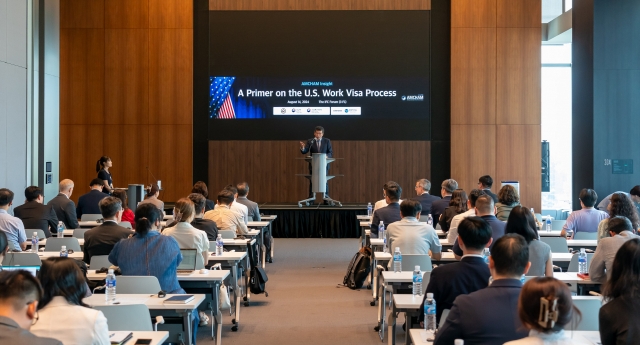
382	203
71	324
455	221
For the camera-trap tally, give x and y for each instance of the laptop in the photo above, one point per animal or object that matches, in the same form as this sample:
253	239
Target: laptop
188	264
31	269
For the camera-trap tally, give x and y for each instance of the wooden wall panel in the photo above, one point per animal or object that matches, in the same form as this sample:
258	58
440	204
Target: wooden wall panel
127	145
473	75
80	148
170	159
171	14
81	76
126	76
287	5
81	14
126	14
473	14
170	76
518	76
519	14
473	154
518	152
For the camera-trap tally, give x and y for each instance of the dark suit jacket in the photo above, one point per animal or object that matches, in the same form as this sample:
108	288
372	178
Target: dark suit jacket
616	328
209	205
65	210
206	225
452	280
325	147
491	194
485	317
88	203
254	211
101	239
11	333
497	231
426	200
438	207
37	216
387	214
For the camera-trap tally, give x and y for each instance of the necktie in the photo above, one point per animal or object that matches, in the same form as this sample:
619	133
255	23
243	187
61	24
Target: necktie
318	142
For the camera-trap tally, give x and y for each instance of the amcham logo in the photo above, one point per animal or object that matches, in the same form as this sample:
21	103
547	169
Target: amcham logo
419	97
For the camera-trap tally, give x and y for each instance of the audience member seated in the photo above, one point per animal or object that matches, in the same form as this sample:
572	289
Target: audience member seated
426	200
619	318
545	307
4	246
489	316
63	206
254	211
620	230
201	188
101	239
470	274
88	203
484	183
634	195
152	198
471	212
586	219
389	213
382	203
127	214
11	226
457	205
61	313
620	205
411	235
20	293
507	199
186	235
521	222
236	206
34	214
438	206
224	217
206	225
485	210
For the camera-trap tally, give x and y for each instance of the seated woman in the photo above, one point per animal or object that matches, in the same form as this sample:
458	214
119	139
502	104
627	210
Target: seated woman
545	307
507	199
620	205
186	235
457	205
620	315
521	222
61	313
152	198
201	188
127	214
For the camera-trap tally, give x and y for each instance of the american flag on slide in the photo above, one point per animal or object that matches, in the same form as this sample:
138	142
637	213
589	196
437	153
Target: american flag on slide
220	105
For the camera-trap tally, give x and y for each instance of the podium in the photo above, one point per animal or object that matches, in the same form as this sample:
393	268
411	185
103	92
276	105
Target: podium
319	178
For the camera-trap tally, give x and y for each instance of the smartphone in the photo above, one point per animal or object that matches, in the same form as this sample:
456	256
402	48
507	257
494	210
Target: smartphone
143	342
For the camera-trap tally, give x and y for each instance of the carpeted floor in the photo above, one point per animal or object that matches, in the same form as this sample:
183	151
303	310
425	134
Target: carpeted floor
307	303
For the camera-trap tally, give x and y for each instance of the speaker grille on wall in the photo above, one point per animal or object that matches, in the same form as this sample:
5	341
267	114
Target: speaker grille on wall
546	177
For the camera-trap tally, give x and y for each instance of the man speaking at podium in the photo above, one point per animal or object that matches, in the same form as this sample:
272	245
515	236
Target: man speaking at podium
317	144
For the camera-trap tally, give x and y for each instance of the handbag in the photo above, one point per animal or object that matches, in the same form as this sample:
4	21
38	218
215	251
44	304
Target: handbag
225	302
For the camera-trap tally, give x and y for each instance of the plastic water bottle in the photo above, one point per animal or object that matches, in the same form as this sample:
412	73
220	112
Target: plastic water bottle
548	224
110	283
369	210
219	245
385	247
430	219
34	242
60	229
486	255
397	260
417	281
430	313
582	261
63	252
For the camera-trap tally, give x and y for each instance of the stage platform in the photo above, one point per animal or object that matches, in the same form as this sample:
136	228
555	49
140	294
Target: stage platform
315	221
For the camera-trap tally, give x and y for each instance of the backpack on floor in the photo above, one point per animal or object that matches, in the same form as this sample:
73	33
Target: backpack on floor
358	269
257	276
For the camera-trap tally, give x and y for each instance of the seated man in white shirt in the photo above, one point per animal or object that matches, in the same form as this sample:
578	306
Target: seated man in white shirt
11	225
455	221
411	235
382	203
236	206
225	217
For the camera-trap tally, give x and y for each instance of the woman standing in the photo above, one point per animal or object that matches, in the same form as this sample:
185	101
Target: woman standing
102	168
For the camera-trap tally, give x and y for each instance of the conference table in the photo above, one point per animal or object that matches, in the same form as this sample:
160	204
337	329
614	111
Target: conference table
233	260
212	280
157	338
419	336
257	230
156	306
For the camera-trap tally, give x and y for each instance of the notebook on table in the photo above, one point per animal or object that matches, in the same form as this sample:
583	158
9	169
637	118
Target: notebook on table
180	299
188	264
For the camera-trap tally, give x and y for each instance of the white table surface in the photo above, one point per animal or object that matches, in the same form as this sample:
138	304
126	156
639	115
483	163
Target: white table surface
407	301
363	217
236	242
260	224
228	256
448	256
582	243
269	216
253	232
75	255
212	275
419	336
151	301
552	233
569	277
43	242
157	338
399	277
